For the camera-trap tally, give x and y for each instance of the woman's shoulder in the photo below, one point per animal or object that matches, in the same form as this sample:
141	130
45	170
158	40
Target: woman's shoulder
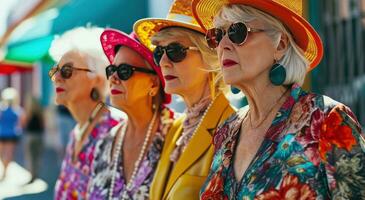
229	127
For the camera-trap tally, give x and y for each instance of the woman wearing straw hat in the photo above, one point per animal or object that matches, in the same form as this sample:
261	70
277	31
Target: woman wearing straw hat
12	120
189	68
287	143
126	160
80	86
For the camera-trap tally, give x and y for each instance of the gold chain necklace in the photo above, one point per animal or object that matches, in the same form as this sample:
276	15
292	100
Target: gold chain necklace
268	113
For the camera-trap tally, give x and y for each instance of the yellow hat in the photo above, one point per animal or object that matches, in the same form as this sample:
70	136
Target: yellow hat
289	12
180	15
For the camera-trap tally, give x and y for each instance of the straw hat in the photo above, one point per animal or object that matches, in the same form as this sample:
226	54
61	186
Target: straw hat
180	15
289	12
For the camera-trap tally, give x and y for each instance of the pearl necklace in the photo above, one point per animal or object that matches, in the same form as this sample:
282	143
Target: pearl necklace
80	131
136	164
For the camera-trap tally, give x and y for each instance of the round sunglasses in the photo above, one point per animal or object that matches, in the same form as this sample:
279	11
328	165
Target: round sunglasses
174	51
65	71
237	33
125	71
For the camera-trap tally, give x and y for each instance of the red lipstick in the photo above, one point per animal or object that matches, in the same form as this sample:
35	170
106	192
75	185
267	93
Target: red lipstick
169	77
229	63
115	92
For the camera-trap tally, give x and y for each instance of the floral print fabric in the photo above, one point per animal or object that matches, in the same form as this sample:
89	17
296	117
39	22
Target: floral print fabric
74	176
314	149
103	172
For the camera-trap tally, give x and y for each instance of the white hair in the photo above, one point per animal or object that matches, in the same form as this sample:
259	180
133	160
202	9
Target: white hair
86	42
295	63
209	56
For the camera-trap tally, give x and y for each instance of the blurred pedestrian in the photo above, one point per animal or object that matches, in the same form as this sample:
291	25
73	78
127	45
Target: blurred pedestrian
34	132
11	120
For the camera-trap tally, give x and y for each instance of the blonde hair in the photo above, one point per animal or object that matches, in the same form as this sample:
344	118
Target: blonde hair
86	42
209	56
295	63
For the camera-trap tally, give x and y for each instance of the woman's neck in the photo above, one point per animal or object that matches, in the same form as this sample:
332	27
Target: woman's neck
192	97
139	118
81	110
263	98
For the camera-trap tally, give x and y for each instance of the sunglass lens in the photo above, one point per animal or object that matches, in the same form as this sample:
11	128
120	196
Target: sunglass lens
213	37
175	52
109	71
157	55
237	33
66	72
124	72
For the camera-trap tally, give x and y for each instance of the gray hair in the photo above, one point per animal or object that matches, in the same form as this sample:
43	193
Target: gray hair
86	42
209	56
295	63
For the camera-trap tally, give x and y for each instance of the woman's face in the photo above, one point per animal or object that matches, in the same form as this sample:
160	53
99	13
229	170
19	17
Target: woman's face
135	90
249	61
78	87
187	76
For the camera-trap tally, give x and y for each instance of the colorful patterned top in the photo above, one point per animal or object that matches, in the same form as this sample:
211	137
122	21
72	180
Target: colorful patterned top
314	149
74	177
103	172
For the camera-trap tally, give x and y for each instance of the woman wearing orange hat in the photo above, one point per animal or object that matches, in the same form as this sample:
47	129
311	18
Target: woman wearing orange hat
287	143
126	160
189	68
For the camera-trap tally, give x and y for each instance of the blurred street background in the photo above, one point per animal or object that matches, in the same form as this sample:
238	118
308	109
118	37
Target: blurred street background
27	28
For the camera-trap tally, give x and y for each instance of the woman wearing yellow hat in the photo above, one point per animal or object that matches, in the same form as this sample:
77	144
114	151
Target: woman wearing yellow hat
287	143
189	68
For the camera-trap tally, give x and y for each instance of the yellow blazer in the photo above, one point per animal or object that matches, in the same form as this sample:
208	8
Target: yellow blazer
184	180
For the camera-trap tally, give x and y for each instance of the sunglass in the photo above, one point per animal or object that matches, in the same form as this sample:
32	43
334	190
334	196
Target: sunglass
125	71
237	33
65	71
174	51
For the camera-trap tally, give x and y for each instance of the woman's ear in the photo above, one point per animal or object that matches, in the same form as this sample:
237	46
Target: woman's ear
155	86
282	46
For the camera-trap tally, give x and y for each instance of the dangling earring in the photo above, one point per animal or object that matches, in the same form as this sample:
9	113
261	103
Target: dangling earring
95	96
277	74
150	93
235	90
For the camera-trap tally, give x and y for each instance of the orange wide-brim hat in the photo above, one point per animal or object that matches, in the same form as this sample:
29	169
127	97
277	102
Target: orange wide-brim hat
289	12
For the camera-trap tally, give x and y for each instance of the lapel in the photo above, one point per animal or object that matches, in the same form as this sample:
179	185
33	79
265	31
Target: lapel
163	169
199	143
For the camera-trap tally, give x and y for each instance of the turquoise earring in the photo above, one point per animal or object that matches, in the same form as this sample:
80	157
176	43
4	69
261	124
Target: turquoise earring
235	90
277	74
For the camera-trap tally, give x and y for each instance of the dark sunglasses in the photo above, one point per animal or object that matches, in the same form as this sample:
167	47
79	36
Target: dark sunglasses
125	71
174	51
65	71
237	33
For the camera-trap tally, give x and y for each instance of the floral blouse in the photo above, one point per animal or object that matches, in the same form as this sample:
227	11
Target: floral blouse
314	149
103	172
74	176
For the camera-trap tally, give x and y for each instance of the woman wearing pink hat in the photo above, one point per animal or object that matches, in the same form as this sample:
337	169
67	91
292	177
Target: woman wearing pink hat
287	143
125	161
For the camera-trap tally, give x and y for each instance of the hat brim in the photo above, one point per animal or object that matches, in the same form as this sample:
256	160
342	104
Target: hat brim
304	34
148	27
111	38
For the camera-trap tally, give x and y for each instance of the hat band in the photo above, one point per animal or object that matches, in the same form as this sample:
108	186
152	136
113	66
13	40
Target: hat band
182	18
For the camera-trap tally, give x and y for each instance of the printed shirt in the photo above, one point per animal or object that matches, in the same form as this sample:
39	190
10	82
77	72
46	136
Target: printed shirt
314	149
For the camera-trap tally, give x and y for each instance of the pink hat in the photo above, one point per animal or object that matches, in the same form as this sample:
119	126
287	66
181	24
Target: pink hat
112	37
